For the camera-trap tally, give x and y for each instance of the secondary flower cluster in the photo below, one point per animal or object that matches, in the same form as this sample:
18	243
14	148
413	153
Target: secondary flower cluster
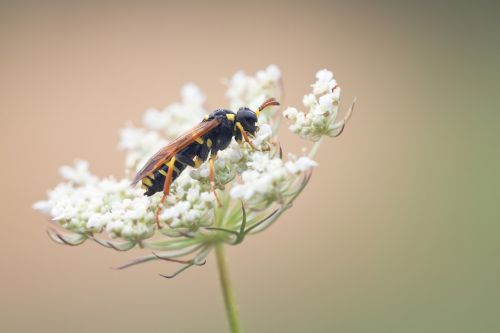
255	186
323	105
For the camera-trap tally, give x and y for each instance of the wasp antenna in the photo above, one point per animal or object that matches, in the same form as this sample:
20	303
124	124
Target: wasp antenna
268	102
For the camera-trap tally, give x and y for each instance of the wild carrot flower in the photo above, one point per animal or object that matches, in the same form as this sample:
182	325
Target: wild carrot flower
256	186
323	105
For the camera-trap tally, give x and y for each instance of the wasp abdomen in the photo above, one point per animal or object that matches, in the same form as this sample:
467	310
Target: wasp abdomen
154	182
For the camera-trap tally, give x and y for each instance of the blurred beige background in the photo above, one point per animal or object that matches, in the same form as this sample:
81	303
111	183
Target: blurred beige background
398	231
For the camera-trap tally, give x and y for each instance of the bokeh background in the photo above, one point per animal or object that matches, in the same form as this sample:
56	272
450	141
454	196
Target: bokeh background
398	230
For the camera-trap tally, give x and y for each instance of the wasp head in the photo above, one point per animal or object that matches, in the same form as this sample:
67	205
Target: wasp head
247	118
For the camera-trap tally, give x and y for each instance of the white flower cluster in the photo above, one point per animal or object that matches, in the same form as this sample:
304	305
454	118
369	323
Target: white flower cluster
251	91
86	205
323	104
259	178
269	179
191	205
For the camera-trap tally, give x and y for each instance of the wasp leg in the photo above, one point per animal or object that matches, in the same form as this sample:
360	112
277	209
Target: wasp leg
245	136
166	190
212	179
185	159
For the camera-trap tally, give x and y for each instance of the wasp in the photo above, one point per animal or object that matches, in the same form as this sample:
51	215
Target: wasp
213	134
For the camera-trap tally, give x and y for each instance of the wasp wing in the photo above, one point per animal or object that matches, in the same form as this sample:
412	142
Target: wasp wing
167	152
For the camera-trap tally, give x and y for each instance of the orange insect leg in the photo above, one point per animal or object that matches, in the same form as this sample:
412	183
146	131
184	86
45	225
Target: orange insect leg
245	136
166	190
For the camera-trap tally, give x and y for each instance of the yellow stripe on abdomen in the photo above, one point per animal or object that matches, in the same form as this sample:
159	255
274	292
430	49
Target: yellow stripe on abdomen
146	181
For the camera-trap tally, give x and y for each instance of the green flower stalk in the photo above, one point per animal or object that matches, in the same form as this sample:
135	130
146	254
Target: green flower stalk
256	186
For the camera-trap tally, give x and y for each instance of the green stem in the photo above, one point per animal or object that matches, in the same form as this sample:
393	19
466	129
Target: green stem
227	291
315	148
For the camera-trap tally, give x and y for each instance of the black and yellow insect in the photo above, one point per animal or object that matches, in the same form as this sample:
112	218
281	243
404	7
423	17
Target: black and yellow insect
193	148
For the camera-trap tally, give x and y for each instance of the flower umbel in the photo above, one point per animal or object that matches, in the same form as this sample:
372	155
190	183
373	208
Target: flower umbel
256	186
323	105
